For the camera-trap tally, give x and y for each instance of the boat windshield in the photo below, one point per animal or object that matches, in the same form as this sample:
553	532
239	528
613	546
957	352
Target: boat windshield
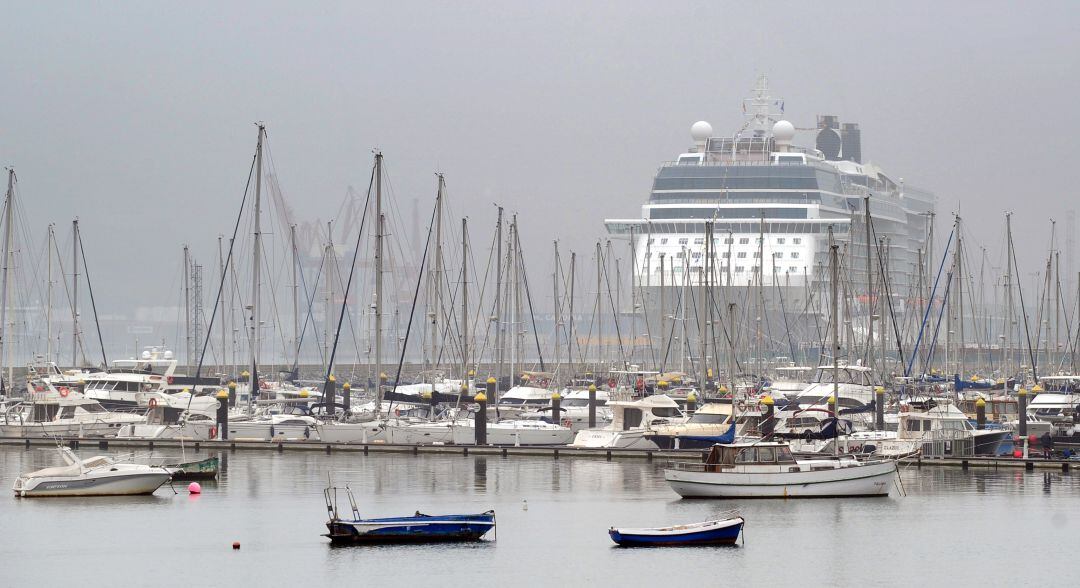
709	419
845	376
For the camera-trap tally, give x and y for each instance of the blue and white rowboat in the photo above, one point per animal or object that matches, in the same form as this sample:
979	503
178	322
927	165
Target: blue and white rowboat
419	528
719	532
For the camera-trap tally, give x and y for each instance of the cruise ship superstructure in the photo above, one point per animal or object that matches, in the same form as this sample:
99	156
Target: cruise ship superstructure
760	184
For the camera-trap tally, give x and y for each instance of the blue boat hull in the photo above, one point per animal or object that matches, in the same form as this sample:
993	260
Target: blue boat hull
414	529
725	536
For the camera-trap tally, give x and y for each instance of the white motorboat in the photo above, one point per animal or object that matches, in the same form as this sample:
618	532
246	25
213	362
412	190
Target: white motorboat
710	424
631	420
126	384
768	470
942	424
574	410
96	476
515	432
853	382
63	413
520	399
275	427
462	431
175	416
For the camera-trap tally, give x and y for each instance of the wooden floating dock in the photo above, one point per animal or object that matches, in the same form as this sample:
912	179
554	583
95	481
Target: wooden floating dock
105	443
1030	463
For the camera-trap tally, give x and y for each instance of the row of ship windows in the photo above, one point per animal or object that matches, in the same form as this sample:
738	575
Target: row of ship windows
727	255
738	269
728	241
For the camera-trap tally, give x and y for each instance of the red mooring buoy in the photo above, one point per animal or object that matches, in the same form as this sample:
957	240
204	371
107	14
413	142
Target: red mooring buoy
236	545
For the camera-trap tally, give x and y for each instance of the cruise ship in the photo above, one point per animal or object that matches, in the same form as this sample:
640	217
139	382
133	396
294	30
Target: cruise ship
771	199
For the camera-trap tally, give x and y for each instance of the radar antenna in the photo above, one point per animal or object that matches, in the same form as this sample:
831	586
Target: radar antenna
761	110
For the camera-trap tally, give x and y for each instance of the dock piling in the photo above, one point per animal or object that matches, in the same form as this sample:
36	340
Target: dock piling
480	424
224	399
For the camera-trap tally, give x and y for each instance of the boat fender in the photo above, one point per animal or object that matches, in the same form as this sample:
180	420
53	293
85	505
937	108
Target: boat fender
170	380
213	432
152	403
611	383
64	391
567	423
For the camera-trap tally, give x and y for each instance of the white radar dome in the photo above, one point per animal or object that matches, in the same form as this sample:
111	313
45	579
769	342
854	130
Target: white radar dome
783	131
701	131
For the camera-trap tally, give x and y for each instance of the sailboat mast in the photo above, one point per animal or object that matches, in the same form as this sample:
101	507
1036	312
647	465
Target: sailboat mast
499	342
378	280
188	335
1008	294
328	297
570	308
75	292
295	294
436	335
221	304
960	297
870	307
663	315
599	311
49	299
519	317
834	263
257	263
464	303
9	205
555	298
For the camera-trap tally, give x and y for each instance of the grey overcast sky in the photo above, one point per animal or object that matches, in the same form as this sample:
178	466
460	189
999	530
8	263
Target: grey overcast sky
137	117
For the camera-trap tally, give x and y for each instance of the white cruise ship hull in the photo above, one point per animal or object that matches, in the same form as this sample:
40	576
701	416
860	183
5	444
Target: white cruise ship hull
872	479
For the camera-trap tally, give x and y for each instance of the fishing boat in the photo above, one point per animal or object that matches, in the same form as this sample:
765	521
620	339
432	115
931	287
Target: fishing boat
417	528
768	470
716	532
206	469
96	476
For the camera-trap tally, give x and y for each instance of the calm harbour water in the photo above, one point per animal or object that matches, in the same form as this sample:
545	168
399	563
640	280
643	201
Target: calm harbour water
1004	527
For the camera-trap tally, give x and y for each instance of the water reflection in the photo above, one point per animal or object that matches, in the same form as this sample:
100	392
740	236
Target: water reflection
272	503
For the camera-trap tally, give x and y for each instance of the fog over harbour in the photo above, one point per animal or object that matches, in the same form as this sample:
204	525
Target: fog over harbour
137	118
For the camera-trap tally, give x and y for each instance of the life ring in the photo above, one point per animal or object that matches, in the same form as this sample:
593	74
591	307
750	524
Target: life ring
611	383
213	432
567	423
152	403
742	405
64	391
170	380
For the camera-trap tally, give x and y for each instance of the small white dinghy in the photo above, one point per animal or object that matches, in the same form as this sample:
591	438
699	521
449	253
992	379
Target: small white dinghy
96	476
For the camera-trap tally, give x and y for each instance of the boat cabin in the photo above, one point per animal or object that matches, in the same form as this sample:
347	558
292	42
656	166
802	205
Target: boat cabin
724	456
